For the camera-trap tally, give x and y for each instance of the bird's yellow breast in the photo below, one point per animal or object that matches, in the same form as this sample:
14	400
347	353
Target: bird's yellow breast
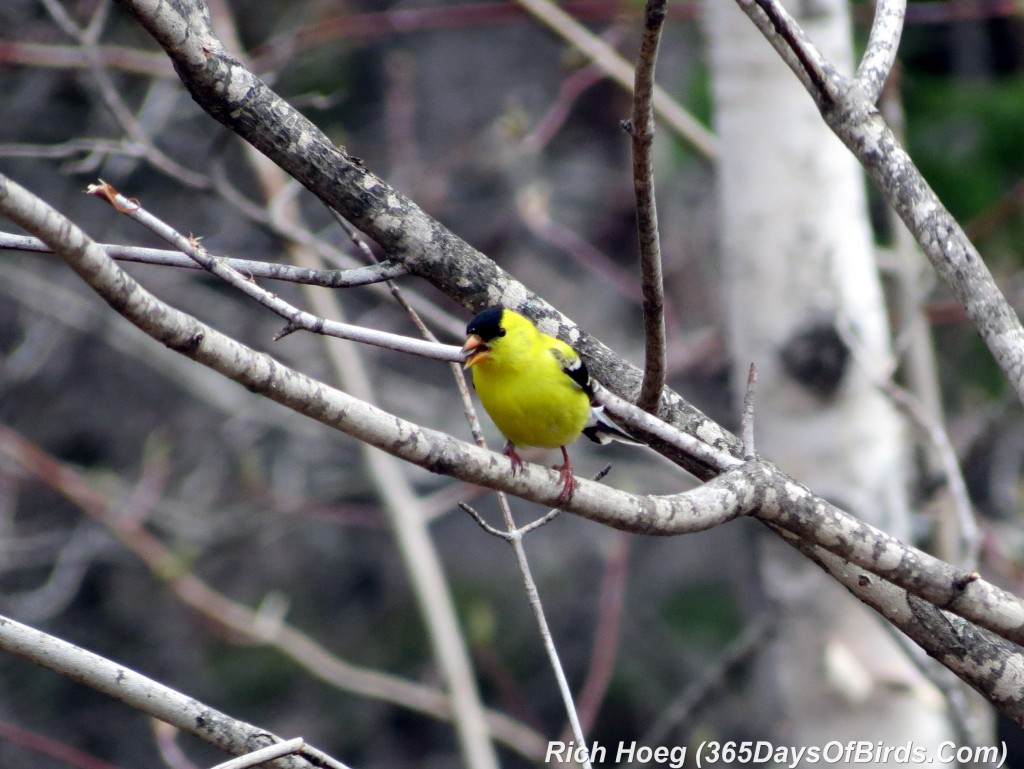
526	392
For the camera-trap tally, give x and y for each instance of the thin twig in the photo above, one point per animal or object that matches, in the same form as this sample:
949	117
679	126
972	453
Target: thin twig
641	131
514	536
880	54
747	420
296	318
269	753
359	276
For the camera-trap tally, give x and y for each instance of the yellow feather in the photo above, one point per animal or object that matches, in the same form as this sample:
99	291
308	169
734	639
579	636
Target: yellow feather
525	390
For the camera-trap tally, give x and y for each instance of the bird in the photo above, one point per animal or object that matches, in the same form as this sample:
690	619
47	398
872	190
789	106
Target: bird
535	388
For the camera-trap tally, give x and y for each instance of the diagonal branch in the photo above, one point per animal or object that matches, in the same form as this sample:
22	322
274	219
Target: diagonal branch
751	488
233	95
297	319
852	116
136	690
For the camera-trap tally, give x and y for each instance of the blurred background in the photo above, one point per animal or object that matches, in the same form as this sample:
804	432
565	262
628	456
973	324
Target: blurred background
113	448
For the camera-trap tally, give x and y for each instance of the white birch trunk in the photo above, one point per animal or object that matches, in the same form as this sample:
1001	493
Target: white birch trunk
797	254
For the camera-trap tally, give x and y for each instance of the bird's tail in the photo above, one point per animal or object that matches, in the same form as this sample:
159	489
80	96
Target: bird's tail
601	429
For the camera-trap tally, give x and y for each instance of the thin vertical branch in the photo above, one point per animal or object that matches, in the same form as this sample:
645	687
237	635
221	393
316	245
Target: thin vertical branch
880	54
641	130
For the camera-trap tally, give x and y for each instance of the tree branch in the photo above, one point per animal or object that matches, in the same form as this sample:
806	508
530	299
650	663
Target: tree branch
883	42
852	116
989	664
750	488
641	131
722	499
238	99
359	276
136	690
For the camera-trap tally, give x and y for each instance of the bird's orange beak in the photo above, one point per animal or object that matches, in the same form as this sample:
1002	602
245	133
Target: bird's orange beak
474	351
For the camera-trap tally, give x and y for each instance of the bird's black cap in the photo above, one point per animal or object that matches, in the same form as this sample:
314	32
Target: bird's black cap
487	325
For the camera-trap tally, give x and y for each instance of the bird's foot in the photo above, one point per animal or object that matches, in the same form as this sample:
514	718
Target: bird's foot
510	452
566	477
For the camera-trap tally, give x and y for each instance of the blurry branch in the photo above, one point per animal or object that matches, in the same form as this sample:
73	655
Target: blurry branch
534	209
641	131
238	618
88	38
611	596
329	30
61	752
751	642
359	276
958	538
166	738
619	70
142	693
297	319
851	114
136	62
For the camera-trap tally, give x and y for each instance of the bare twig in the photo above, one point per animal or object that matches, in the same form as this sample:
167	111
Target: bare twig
747	419
359	276
270	752
880	54
641	131
514	535
297	319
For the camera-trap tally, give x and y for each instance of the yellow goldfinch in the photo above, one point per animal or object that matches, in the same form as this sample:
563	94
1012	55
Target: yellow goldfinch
535	387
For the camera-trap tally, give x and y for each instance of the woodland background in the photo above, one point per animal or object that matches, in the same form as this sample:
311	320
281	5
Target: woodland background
500	131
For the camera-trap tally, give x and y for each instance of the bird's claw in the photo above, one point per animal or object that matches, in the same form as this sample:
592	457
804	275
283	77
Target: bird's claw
568	482
517	461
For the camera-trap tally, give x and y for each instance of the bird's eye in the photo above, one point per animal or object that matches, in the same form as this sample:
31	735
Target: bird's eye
501	332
